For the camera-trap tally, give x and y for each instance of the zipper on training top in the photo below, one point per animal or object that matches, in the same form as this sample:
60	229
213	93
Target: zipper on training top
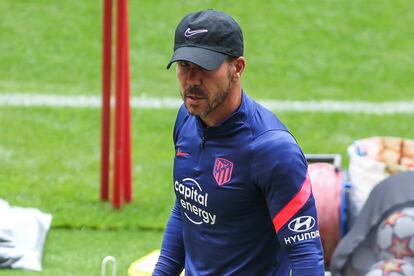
203	138
202	146
203	142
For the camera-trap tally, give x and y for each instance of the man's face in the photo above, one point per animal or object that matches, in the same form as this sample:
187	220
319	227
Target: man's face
203	91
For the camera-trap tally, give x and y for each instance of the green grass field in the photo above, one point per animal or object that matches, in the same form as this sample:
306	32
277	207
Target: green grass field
295	50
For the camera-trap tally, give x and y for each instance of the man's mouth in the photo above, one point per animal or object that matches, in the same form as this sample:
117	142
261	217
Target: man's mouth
194	93
194	97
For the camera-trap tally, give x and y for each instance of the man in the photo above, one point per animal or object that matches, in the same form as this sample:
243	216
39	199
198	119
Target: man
244	204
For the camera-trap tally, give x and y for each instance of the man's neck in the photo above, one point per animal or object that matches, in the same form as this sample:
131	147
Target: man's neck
218	116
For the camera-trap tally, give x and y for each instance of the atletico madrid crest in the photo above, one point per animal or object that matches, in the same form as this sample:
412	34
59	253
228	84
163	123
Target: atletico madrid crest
222	171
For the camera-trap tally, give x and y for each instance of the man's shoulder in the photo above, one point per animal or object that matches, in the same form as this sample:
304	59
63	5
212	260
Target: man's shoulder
182	117
269	134
182	113
274	139
262	120
277	148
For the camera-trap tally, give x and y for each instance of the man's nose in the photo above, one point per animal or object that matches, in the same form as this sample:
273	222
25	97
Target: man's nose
194	76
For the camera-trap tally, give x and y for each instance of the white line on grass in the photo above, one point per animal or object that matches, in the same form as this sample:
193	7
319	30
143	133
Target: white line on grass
57	101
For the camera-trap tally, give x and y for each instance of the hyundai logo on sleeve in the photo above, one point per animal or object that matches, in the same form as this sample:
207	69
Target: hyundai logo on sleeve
302	224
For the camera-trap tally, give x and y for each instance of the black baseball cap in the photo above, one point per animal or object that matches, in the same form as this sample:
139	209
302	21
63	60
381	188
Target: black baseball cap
206	38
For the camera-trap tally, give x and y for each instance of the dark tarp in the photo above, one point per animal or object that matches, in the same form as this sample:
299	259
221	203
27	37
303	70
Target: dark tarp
354	254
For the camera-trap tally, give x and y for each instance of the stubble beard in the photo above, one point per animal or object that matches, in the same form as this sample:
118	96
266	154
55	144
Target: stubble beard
212	104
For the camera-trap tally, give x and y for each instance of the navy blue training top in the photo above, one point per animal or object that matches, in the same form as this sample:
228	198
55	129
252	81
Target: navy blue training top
244	204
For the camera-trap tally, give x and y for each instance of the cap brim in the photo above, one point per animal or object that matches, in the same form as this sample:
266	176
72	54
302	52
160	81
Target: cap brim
207	59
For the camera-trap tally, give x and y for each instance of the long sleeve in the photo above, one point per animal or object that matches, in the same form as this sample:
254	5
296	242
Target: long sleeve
281	174
171	260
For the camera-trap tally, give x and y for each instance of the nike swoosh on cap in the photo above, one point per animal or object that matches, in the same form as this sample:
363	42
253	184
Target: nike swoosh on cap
189	32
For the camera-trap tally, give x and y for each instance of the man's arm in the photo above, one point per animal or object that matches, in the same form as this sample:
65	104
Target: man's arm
171	260
281	173
304	248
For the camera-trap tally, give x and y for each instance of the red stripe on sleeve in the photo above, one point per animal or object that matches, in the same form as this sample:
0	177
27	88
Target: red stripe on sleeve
293	206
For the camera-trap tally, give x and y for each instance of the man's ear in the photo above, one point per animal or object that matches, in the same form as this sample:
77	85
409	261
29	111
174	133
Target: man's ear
239	64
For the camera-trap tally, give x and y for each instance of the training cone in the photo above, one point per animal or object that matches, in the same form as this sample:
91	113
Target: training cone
144	266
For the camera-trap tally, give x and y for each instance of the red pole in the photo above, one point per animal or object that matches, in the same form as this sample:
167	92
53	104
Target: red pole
106	98
128	161
119	149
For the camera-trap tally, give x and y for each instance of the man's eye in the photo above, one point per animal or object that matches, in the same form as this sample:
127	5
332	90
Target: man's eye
183	64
